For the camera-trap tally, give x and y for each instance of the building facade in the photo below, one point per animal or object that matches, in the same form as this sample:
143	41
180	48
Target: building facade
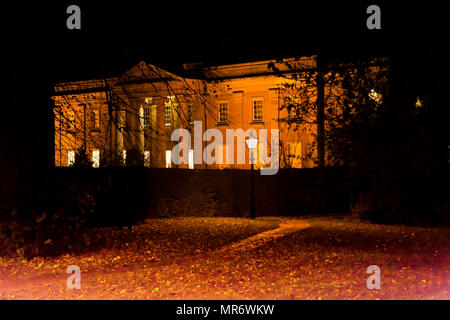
129	119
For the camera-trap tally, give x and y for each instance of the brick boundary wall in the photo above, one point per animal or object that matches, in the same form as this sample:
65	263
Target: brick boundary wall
132	194
122	196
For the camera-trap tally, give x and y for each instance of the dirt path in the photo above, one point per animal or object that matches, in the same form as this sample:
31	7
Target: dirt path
286	227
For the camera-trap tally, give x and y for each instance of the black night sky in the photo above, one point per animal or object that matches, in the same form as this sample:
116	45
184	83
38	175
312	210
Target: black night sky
115	35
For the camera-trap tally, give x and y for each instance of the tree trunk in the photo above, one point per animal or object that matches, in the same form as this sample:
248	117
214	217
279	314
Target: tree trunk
320	112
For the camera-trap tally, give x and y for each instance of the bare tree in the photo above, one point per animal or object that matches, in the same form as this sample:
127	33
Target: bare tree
332	101
120	104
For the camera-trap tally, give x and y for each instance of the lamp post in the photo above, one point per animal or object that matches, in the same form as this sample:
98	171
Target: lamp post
252	143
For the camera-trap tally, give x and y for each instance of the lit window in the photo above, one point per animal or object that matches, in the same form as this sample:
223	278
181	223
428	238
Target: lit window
419	103
95	158
375	96
70	121
257	109
190	113
147	159
170	106
168	159
191	159
145	113
146	117
70	158
124	157
95	120
168	114
223	112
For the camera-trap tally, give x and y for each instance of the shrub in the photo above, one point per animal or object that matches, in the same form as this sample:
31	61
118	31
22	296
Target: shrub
82	159
49	224
135	158
409	200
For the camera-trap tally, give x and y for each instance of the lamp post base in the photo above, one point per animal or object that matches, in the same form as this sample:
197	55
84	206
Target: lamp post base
252	204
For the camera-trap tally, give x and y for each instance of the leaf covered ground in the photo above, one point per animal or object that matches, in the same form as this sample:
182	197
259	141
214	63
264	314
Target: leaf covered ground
237	258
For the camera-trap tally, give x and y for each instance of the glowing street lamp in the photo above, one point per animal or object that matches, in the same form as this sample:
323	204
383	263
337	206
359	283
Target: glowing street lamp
252	142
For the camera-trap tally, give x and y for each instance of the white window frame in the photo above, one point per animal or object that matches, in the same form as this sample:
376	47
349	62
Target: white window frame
223	117
254	101
146	117
169	107
168	114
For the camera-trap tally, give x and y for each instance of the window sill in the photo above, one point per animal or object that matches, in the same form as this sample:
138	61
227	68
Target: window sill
223	124
257	122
